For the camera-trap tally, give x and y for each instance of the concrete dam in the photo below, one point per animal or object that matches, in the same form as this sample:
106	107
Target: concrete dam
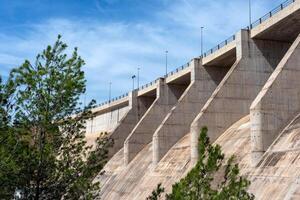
246	90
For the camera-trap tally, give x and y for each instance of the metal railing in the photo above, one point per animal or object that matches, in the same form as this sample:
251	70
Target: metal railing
147	85
177	70
219	46
112	100
271	13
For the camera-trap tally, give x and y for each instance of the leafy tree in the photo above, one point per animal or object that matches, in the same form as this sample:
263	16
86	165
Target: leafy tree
211	178
45	155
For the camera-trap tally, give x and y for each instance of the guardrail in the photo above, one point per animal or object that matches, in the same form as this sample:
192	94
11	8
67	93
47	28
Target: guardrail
219	46
112	100
177	70
147	85
271	13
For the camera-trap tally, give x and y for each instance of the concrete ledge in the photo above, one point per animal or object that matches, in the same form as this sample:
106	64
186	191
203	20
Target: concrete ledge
219	53
277	18
178	75
110	106
277	103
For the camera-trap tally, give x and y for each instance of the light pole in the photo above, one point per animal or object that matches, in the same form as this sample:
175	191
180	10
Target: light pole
250	14
138	77
109	92
202	41
133	77
166	62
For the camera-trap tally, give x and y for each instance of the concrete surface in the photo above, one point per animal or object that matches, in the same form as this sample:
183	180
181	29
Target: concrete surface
143	132
138	106
277	102
176	124
256	60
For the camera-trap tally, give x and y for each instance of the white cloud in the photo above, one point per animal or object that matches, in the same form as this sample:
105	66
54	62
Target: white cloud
113	51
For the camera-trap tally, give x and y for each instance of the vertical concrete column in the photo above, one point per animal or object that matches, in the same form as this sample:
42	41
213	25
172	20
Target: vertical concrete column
177	123
231	100
126	124
142	133
277	103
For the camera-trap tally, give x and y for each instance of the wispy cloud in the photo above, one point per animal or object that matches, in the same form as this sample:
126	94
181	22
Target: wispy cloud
113	50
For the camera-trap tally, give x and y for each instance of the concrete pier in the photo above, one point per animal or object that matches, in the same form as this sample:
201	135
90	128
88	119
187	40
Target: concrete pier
166	97
277	103
137	107
177	123
255	61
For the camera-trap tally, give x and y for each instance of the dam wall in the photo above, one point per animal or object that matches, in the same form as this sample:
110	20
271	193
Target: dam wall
255	61
277	103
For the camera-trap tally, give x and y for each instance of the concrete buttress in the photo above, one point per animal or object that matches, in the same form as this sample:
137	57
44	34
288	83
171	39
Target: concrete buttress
255	61
276	104
142	133
177	122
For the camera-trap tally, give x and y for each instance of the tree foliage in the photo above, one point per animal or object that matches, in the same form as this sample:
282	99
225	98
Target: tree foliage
43	153
213	178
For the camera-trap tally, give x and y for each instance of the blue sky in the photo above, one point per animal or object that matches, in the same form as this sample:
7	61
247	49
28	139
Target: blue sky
115	37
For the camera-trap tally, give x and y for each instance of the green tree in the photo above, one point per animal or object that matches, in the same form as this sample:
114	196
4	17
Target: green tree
44	130
213	178
9	167
156	194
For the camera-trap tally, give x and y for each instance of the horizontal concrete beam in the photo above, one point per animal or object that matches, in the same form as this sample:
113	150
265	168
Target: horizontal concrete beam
178	74
219	53
123	102
276	19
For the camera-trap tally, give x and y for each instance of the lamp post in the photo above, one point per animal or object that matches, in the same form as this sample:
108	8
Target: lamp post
109	92
166	62
138	77
202	41
133	77
250	14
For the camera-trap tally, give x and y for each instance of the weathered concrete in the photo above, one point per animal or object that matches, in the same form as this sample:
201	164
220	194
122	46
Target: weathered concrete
142	134
277	102
256	60
176	124
107	121
283	26
137	107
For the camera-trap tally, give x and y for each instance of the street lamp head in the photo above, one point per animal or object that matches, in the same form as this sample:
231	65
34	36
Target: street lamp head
133	77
